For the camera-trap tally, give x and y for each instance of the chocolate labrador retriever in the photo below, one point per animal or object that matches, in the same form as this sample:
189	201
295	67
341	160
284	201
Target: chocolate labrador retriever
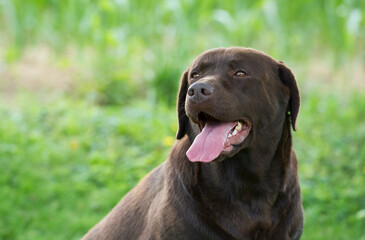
232	173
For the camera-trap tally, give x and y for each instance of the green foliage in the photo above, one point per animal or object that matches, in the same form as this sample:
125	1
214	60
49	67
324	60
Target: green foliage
330	146
65	164
138	35
67	161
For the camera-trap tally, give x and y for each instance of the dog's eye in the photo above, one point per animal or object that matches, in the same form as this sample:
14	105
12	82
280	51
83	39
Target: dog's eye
195	75
240	74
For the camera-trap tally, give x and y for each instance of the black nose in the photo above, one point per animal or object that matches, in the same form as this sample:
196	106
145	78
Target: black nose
200	91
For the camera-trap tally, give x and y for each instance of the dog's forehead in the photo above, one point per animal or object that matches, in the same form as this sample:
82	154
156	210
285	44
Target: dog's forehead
231	56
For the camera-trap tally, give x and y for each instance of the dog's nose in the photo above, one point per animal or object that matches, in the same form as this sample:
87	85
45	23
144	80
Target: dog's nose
200	91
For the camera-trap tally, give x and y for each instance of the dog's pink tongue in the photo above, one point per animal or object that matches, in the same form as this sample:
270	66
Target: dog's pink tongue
210	142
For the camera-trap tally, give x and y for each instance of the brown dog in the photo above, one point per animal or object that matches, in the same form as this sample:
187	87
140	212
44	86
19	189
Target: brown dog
232	174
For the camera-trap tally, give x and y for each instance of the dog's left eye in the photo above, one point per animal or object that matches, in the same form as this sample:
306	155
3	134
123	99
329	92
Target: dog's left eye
240	74
195	75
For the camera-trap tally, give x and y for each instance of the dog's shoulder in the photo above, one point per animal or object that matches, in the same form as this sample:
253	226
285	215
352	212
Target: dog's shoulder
128	217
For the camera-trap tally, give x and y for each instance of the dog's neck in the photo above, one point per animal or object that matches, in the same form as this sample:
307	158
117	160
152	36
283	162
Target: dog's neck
250	173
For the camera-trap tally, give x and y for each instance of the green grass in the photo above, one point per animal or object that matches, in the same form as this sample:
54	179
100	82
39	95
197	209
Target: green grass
331	152
65	164
67	157
137	41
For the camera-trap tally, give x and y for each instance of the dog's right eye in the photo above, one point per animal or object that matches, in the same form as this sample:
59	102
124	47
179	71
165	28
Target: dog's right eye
240	74
195	75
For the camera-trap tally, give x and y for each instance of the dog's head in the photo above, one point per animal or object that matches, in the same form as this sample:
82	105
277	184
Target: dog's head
229	98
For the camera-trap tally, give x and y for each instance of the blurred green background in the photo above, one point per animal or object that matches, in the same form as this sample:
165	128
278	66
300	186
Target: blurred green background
87	102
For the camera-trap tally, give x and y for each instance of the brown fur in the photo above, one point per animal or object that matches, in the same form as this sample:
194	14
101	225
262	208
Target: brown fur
253	194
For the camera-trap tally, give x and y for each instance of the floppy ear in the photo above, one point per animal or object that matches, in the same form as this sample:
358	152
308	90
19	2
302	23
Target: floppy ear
287	77
183	120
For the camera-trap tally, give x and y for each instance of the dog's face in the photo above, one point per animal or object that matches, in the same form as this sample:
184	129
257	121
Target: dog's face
231	98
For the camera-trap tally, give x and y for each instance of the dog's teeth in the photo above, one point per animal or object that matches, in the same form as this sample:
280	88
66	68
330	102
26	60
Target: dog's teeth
229	135
234	132
239	126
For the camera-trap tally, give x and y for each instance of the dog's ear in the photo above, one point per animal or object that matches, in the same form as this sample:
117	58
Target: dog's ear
288	79
183	120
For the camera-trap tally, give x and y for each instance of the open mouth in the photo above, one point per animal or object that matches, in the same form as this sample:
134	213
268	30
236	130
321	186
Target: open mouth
217	138
236	135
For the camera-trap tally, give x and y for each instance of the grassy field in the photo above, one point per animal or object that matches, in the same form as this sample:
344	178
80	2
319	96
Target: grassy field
88	88
65	164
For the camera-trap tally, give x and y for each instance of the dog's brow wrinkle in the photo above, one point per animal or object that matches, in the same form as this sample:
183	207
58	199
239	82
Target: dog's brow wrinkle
218	61
235	61
202	65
